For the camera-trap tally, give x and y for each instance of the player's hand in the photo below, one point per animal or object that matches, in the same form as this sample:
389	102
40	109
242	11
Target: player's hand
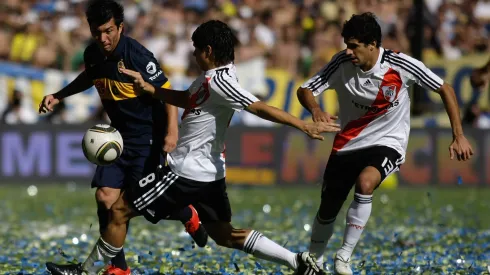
170	142
140	84
460	147
48	103
319	115
314	130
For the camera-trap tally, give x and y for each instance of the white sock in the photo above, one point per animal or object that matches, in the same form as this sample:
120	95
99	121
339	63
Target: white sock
321	232
103	252
263	248
357	217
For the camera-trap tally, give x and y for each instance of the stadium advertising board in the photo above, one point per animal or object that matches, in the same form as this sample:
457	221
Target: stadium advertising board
256	156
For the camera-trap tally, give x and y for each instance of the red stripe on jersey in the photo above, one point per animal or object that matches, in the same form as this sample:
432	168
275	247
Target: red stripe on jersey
388	93
198	97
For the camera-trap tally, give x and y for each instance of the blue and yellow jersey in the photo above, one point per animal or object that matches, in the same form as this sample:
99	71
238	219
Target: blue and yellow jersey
140	118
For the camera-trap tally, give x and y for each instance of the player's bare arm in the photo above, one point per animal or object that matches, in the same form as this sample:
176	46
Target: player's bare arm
170	141
80	84
273	114
306	98
460	145
480	76
173	97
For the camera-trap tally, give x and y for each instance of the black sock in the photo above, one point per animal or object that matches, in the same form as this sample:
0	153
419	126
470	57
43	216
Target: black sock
120	260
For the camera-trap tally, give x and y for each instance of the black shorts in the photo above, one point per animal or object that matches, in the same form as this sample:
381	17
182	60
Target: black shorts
135	162
342	171
162	193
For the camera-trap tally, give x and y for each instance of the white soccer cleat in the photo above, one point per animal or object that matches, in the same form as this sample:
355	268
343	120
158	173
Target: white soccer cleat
341	266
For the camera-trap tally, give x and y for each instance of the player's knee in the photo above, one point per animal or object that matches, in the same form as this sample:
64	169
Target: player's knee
106	196
366	184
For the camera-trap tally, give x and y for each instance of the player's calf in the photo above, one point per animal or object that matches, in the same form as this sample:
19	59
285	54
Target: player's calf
119	216
222	234
253	242
105	198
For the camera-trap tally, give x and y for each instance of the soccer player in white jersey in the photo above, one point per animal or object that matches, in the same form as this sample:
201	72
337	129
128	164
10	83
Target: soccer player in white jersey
196	168
374	111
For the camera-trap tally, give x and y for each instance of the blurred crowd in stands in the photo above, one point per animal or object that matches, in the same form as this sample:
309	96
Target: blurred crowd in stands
298	36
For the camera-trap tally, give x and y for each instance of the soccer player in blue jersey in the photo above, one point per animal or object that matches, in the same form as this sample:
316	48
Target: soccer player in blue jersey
147	125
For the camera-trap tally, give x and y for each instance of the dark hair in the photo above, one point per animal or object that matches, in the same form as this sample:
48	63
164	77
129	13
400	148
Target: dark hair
364	28
221	39
100	12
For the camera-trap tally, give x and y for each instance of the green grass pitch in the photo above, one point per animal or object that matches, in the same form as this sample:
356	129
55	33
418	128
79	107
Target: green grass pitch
411	231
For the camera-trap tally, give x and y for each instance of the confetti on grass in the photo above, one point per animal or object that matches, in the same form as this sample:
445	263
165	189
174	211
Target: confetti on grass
416	231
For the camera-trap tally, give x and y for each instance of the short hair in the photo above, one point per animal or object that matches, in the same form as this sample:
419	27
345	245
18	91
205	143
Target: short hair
100	12
363	27
221	39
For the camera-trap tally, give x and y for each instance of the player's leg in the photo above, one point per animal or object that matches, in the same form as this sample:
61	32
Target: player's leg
112	239
215	212
357	217
105	197
359	210
187	215
107	246
255	243
379	162
338	179
109	180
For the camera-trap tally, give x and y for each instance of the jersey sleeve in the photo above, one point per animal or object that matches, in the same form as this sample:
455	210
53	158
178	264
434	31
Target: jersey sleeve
146	64
232	95
327	76
415	71
89	60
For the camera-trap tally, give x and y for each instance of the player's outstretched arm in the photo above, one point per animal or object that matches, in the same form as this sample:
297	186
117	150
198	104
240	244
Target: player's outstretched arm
80	84
172	136
307	99
174	97
273	114
327	78
460	145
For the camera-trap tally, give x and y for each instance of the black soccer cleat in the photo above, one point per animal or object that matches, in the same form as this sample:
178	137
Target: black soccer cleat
307	265
195	229
68	269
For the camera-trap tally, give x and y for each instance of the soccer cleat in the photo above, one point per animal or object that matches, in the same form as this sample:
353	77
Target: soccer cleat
69	269
307	265
113	270
342	266
195	229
